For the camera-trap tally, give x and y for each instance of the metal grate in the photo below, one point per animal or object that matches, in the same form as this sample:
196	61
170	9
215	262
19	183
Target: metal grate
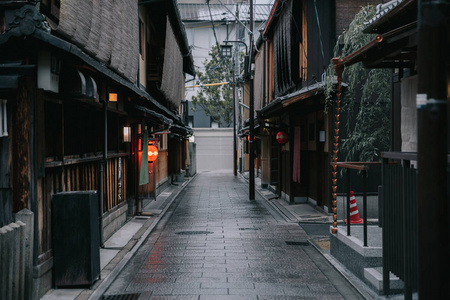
122	297
297	243
193	232
252	228
400	252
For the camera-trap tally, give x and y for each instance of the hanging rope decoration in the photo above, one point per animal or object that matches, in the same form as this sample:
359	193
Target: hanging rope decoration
338	70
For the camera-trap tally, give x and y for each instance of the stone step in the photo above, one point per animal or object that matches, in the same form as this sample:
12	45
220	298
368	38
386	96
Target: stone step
374	276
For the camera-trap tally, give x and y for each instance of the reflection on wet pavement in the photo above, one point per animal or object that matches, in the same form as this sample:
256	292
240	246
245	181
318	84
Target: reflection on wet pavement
219	245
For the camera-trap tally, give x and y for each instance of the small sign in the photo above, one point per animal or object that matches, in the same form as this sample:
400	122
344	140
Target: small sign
421	101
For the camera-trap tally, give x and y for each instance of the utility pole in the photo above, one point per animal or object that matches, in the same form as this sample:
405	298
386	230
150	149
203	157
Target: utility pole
251	193
432	184
235	72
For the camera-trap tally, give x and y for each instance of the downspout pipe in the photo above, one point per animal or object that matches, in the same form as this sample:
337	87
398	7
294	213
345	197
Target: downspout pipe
264	69
102	172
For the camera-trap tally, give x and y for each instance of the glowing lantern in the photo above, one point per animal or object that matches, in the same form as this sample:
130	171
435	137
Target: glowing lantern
152	153
282	137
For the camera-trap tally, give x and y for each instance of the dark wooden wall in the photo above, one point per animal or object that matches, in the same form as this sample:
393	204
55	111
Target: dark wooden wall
6	216
73	149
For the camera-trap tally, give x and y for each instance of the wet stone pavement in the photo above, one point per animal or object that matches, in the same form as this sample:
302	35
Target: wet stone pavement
213	243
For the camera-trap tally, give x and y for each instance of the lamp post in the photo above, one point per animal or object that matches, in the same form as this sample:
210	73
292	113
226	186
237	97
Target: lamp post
227	52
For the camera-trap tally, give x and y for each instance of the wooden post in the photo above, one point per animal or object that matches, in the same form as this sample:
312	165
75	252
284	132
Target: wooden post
432	196
21	126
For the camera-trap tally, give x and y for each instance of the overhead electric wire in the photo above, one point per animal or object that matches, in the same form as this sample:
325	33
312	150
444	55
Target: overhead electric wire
320	37
212	23
236	18
299	33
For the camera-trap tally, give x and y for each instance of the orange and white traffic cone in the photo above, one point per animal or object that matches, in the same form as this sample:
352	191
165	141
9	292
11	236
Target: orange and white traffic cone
354	213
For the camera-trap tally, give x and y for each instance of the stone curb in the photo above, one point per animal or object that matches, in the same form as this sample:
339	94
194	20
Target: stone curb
355	282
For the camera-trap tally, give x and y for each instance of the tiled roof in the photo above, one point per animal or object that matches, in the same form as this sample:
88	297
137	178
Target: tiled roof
383	10
219	12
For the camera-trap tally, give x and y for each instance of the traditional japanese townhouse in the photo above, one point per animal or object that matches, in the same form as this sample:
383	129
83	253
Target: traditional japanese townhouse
289	96
86	87
411	39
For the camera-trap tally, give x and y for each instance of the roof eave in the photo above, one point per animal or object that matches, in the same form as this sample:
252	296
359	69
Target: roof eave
289	99
272	18
360	54
373	25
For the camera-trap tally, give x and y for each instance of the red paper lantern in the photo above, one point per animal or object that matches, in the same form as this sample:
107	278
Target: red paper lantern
282	137
152	153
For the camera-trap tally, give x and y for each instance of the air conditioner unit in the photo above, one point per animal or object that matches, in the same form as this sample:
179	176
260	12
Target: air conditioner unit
49	67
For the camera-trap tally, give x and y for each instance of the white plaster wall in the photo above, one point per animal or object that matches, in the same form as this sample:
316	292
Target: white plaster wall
214	149
409	114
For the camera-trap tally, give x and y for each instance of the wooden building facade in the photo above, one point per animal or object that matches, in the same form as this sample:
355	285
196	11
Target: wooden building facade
412	39
298	43
83	85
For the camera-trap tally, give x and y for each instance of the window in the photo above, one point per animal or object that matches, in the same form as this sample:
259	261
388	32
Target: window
3	118
141	38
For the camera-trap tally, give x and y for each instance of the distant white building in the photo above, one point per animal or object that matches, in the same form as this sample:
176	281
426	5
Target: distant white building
231	22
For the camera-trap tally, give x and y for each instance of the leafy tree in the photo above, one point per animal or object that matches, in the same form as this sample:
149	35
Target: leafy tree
216	101
366	99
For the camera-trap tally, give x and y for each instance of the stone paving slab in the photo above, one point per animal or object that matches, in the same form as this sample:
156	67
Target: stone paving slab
121	237
213	243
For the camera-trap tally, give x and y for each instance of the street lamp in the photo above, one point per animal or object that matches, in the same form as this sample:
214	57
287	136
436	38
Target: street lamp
226	46
226	51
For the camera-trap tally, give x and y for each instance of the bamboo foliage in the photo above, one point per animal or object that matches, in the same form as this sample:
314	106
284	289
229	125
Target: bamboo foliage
366	100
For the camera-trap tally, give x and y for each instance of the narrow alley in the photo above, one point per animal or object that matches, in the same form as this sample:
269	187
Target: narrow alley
213	243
